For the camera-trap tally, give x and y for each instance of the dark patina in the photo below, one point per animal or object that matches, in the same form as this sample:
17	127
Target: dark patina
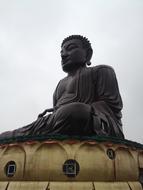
86	102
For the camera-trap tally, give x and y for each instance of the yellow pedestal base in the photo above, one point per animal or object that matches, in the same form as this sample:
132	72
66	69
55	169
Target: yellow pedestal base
39	166
70	186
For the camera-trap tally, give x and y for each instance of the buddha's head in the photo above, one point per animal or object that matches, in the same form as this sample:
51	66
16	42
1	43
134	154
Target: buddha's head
76	51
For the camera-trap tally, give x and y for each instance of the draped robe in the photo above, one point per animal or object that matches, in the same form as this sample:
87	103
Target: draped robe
89	105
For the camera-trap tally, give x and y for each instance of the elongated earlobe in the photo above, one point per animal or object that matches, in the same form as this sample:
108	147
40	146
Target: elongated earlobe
89	55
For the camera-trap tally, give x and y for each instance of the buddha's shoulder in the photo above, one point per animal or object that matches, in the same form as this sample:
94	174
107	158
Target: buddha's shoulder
63	81
102	67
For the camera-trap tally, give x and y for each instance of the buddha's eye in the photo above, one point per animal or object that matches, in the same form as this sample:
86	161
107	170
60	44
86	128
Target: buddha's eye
71	46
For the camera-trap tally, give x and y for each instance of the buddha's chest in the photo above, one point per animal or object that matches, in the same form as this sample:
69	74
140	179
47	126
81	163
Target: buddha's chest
69	85
79	85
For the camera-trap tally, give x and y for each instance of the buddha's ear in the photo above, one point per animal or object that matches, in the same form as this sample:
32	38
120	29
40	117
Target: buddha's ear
89	54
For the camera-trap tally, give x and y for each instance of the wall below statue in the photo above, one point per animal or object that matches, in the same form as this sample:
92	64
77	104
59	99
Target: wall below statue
70	185
70	164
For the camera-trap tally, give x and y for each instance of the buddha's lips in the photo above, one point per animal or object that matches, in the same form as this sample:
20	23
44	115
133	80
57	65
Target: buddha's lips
65	62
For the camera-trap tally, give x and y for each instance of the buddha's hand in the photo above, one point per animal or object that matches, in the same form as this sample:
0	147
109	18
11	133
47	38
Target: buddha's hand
45	111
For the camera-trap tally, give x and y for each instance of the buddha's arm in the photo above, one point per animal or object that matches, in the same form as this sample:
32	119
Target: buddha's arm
107	91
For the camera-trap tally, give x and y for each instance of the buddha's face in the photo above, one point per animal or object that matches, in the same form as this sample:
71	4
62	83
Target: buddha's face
73	55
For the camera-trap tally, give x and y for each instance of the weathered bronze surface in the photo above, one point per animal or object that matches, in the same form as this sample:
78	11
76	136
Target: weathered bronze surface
86	102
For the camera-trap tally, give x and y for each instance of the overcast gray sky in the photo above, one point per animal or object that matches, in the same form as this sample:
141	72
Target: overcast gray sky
31	32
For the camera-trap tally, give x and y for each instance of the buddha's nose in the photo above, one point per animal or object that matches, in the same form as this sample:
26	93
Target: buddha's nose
64	55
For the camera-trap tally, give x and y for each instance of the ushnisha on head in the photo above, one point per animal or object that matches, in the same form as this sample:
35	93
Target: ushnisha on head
76	51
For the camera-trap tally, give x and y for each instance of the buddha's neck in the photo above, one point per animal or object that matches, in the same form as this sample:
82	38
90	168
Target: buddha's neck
74	72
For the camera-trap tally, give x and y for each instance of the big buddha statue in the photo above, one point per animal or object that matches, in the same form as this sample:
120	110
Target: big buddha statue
86	102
